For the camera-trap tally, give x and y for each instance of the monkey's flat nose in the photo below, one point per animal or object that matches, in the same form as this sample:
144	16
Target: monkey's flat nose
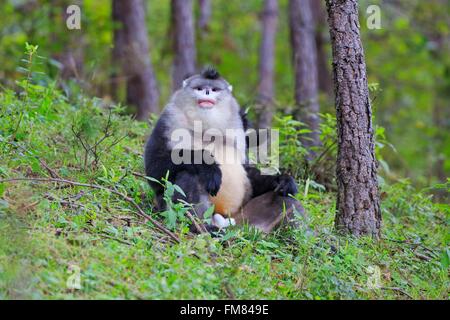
207	91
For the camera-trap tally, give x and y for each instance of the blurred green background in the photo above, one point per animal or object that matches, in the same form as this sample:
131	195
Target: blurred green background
408	64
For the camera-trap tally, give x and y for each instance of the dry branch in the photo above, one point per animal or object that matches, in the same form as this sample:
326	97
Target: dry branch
200	227
140	212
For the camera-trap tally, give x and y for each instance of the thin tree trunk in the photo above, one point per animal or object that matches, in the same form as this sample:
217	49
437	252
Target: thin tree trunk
302	32
358	204
184	42
323	66
441	114
265	96
205	16
131	53
71	60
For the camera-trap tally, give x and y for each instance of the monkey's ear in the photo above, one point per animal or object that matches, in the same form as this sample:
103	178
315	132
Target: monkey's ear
230	88
185	82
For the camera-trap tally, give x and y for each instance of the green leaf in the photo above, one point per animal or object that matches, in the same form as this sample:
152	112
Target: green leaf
269	244
153	179
171	218
177	188
170	190
35	165
208	213
230	234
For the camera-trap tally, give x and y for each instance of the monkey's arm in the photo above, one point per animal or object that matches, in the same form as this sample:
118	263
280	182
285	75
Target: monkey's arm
283	184
209	175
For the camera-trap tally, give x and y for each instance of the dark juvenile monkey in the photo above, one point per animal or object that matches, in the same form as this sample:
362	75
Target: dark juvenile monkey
200	140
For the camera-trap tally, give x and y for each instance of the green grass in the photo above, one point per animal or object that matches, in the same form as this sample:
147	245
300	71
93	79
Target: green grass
46	230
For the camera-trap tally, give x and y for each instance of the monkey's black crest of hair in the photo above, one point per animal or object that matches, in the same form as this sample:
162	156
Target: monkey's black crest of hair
210	73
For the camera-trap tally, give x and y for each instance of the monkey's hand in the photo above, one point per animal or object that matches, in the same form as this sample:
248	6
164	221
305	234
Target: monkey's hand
284	185
211	177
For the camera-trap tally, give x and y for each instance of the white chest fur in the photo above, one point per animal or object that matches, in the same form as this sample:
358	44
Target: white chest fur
235	187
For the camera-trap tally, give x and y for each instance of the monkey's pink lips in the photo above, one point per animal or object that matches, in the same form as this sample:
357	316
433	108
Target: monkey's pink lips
206	103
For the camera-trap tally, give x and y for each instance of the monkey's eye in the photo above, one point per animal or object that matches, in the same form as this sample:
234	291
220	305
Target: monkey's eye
215	89
198	88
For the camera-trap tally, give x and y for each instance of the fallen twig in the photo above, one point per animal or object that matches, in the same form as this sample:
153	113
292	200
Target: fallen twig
200	227
140	212
228	291
64	202
415	245
398	290
116	239
422	256
140	175
388	288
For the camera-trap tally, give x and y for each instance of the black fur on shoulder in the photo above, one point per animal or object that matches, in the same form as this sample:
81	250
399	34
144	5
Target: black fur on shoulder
210	73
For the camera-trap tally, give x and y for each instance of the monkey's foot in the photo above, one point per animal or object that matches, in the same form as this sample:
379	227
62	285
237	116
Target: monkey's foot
219	221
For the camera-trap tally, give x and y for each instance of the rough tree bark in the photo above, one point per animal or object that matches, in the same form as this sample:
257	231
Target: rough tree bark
323	66
131	53
302	33
358	204
205	16
183	41
264	100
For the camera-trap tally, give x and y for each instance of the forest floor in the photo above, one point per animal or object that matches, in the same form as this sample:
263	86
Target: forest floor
59	241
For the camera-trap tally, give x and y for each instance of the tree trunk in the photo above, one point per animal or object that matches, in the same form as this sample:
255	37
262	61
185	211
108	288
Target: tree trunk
358	204
302	32
184	42
205	16
441	114
323	66
265	96
131	53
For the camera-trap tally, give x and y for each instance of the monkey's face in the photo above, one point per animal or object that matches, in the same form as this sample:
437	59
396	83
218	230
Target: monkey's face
207	98
206	93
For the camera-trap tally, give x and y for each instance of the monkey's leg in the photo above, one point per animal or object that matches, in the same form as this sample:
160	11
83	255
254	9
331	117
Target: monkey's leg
269	211
282	184
195	194
194	191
